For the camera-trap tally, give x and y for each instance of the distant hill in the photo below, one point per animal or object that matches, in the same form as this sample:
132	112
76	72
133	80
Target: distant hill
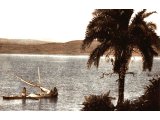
13	46
27	46
21	41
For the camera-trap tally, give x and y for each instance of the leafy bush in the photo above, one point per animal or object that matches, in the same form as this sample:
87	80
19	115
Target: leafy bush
98	103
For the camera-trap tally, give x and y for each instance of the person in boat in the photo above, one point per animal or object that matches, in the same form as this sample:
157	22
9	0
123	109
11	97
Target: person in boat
51	92
54	91
24	92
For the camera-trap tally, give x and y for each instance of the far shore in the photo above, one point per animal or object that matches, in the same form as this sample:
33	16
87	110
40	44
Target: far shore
69	55
9	46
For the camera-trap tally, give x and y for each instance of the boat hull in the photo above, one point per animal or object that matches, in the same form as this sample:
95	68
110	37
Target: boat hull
17	97
29	97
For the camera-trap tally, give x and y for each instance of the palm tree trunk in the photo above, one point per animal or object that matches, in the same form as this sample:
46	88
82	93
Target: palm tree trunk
121	90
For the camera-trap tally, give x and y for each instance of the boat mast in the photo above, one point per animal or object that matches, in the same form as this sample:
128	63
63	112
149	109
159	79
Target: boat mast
39	78
41	88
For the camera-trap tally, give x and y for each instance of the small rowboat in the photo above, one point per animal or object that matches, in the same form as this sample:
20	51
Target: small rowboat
45	93
31	96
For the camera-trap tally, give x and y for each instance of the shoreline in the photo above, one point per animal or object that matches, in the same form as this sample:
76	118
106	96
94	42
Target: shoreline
135	57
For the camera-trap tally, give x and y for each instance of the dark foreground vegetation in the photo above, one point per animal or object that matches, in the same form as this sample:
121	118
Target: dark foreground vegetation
149	101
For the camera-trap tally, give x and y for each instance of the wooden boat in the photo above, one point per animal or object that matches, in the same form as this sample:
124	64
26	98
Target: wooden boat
31	96
45	93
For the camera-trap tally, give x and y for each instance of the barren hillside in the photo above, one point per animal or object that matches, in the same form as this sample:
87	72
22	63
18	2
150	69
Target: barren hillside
10	46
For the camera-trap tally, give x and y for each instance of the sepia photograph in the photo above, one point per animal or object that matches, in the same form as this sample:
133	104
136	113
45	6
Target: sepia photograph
60	57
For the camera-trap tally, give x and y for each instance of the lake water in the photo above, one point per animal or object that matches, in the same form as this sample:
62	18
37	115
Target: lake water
71	77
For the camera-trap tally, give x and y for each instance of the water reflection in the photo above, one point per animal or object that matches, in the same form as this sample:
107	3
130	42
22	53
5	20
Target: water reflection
23	104
41	104
48	103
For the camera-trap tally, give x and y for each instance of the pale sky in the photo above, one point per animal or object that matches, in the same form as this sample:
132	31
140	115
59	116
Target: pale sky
51	20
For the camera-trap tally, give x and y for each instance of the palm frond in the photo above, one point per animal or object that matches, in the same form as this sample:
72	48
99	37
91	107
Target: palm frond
97	53
100	12
147	53
138	17
142	32
155	40
141	12
144	37
152	25
148	14
97	29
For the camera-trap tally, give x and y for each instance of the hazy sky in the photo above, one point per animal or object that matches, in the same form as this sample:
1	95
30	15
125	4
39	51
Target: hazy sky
55	20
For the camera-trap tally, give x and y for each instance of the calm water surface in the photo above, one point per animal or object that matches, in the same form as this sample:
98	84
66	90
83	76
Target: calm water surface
70	75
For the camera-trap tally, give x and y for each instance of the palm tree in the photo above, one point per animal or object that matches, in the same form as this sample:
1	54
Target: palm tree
119	35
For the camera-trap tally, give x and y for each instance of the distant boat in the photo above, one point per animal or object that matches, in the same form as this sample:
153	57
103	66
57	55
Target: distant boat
45	93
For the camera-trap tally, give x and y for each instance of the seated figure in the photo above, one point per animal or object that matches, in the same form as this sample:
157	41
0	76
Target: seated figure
24	92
